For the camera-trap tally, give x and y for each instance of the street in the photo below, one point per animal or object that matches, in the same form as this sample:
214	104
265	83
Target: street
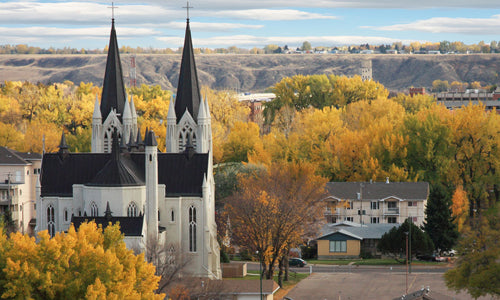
358	269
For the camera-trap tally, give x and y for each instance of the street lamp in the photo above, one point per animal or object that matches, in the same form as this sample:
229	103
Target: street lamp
406	233
260	272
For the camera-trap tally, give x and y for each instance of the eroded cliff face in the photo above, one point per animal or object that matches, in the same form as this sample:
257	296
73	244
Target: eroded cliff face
253	73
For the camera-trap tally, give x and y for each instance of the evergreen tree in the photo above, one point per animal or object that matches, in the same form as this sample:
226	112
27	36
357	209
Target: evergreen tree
393	243
439	221
8	223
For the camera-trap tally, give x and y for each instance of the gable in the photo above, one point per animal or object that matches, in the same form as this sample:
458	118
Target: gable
339	236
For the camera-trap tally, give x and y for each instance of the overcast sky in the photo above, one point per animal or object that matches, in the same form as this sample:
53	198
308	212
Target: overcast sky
247	23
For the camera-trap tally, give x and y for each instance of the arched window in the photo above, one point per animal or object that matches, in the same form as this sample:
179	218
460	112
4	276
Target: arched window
94	211
192	229
51	221
172	215
132	210
66	215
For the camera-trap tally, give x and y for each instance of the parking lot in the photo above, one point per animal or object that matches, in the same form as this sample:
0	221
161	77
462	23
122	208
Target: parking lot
371	285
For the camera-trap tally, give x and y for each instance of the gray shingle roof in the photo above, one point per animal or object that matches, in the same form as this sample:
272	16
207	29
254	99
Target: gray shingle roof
365	231
378	190
12	157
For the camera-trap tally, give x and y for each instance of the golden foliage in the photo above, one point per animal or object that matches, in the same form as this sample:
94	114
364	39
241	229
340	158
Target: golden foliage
88	263
460	207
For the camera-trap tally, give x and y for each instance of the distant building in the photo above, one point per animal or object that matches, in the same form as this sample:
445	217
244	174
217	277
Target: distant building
19	174
366	70
255	102
417	91
376	202
458	99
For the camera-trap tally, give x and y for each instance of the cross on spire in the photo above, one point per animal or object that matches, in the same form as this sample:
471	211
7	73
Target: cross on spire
113	7
187	9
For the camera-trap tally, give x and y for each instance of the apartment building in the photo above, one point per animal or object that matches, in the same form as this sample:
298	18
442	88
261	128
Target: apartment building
376	202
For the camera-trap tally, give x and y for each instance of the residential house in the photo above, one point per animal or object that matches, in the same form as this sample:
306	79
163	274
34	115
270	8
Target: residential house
350	240
376	202
18	177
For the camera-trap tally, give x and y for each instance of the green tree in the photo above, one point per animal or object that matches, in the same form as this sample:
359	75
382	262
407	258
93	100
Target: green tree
306	46
439	221
477	269
393	243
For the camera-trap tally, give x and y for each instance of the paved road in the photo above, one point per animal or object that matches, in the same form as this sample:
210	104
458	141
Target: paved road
358	269
362	286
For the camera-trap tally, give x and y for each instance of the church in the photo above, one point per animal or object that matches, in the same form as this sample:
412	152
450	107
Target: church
164	198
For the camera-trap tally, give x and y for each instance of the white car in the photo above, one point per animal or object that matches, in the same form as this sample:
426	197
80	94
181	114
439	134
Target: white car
450	253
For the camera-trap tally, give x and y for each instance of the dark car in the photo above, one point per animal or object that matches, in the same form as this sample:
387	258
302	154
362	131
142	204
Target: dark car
296	262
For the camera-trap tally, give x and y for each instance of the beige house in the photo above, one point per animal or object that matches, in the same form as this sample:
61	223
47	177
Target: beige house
19	173
350	240
376	202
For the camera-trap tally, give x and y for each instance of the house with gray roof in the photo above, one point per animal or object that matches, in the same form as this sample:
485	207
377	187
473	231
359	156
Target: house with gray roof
350	240
376	202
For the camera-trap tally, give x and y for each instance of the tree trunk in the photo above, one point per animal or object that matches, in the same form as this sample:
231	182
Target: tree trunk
280	273
287	267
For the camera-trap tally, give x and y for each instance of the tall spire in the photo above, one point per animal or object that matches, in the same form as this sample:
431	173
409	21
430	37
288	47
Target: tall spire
113	89
188	91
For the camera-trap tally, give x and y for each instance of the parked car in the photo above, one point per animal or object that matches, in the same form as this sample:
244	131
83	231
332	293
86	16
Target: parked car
450	253
431	257
296	262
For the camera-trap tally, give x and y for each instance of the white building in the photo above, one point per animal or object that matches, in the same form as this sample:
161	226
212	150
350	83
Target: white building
376	202
166	198
18	176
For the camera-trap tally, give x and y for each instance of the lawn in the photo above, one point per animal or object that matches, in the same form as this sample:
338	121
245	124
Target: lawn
293	277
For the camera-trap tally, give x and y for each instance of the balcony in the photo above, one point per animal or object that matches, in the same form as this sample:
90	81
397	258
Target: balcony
329	212
391	211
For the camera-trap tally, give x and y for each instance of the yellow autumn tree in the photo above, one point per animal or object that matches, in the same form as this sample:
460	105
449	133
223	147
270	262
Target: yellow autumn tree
460	207
90	263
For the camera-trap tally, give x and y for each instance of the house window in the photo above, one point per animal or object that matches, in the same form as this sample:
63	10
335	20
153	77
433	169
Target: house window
192	229
350	205
412	203
66	215
338	246
172	215
374	220
51	222
132	210
94	211
412	219
392	204
392	220
349	219
375	205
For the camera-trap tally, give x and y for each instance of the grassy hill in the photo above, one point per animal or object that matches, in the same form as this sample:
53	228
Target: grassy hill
257	72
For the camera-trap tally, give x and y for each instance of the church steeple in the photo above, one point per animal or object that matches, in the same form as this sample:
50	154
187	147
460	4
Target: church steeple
113	89
188	91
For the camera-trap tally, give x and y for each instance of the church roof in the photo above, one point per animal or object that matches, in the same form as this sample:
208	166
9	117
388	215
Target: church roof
129	226
188	91
118	171
181	175
113	89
